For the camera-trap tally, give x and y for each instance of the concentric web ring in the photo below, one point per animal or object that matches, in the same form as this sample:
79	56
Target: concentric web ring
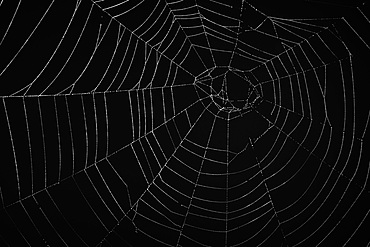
184	123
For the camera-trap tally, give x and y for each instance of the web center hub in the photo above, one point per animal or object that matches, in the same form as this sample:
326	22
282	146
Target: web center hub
229	88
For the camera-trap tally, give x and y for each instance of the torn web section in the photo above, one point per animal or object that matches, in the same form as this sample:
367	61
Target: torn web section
64	196
23	211
131	172
119	118
50	130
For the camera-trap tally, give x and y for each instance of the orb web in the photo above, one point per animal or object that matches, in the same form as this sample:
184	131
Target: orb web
184	123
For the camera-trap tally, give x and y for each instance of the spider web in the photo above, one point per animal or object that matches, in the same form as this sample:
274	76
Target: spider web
184	123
